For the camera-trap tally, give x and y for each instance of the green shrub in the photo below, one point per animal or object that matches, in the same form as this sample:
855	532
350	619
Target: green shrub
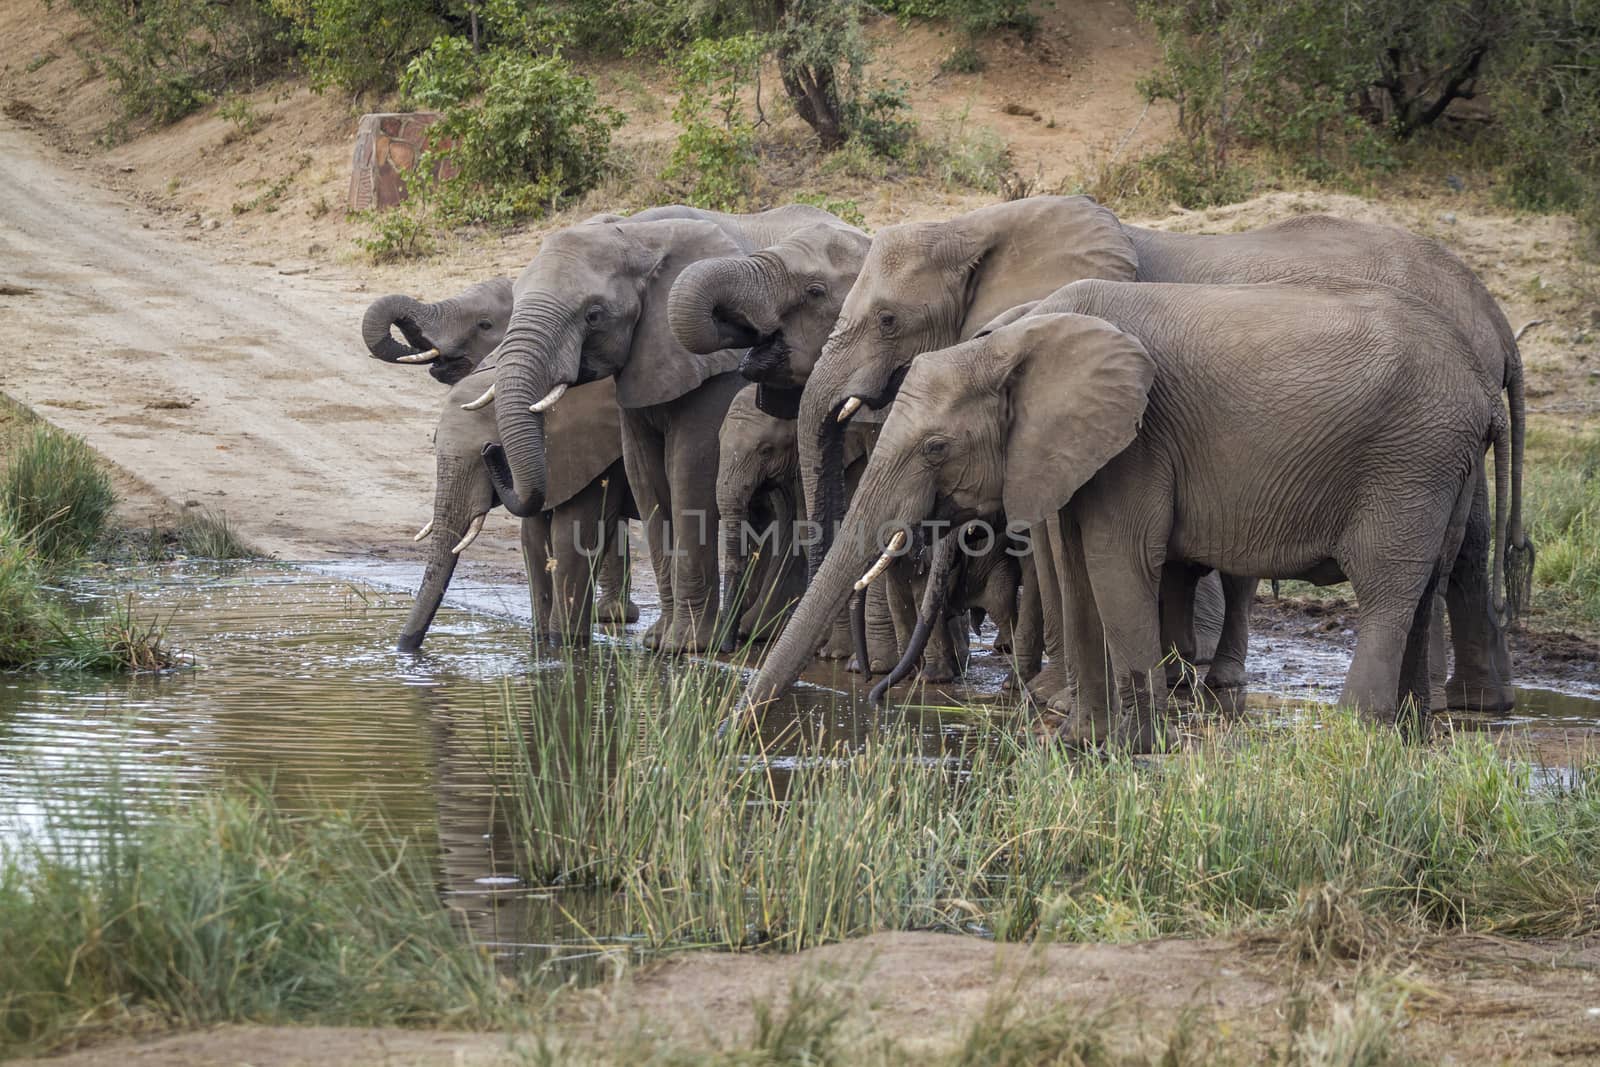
168	57
205	534
715	154
1562	489
26	620
361	45
55	493
974	16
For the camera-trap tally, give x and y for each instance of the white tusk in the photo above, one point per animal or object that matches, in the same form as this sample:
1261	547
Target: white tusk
896	543
421	357
424	532
1526	327
850	408
549	400
482	402
472	533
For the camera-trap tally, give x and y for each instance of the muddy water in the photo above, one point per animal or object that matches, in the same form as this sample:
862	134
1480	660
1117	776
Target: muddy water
295	685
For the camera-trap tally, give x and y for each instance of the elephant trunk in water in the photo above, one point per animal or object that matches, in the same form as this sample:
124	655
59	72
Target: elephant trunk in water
413	317
453	509
887	495
533	358
721	303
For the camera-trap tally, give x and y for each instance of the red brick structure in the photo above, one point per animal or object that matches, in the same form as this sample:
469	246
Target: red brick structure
386	147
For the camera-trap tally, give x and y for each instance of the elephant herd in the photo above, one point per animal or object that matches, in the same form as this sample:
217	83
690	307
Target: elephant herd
1097	436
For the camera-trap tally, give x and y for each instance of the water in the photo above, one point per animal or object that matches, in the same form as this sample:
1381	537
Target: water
296	686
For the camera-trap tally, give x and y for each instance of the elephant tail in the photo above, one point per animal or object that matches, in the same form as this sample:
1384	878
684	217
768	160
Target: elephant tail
1516	549
1499	592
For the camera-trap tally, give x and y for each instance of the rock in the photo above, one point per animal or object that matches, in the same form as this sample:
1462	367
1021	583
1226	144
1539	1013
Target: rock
1448	217
211	224
316	249
388	145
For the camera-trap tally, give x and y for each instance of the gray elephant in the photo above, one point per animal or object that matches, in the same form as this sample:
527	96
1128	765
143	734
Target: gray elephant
450	336
593	304
569	548
926	285
1261	429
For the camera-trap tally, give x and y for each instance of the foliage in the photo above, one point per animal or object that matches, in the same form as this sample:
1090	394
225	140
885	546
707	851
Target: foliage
626	784
168	57
522	130
361	45
715	153
1563	475
55	494
221	909
26	619
974	16
205	534
847	210
119	641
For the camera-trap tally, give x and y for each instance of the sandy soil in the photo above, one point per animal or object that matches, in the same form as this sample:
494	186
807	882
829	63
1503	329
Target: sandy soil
1460	1000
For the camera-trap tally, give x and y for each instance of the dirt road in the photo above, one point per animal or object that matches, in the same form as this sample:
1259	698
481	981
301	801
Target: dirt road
239	385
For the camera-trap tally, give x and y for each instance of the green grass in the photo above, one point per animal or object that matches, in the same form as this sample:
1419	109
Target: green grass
220	909
205	534
626	787
1562	493
25	616
55	493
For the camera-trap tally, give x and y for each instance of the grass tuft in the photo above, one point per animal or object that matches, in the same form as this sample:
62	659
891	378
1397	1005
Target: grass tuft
205	534
116	642
56	494
25	617
1563	472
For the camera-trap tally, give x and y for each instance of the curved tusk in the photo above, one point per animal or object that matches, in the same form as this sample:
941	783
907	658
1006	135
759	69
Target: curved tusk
421	357
850	407
472	533
549	400
896	543
482	402
1525	328
424	532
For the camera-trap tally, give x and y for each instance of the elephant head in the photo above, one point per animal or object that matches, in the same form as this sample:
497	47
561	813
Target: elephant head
451	336
927	285
593	304
779	302
1015	421
585	440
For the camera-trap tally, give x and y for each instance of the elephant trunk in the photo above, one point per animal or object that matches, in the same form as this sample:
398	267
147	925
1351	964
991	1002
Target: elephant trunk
533	358
733	571
932	614
453	509
721	303
881	502
413	317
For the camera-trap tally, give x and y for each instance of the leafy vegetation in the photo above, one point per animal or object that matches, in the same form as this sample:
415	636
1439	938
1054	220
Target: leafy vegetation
629	788
716	152
54	493
1564	520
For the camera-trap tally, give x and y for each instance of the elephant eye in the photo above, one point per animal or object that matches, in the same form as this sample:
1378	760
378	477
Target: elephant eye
936	447
886	322
816	289
485	324
594	315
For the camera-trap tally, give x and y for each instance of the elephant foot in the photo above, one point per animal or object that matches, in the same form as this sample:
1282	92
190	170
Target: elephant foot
1487	695
616	612
1225	700
653	634
1142	734
1044	685
833	649
685	637
938	674
854	666
1075	726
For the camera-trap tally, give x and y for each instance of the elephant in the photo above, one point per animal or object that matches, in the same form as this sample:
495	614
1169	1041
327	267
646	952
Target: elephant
576	543
450	336
779	303
1271	430
593	304
925	285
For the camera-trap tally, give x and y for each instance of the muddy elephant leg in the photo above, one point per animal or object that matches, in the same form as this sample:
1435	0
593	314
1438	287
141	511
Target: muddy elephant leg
1129	588
902	604
577	544
941	662
1027	642
1179	582
691	437
1052	677
883	646
1482	677
642	457
1227	671
614	602
1088	697
534	536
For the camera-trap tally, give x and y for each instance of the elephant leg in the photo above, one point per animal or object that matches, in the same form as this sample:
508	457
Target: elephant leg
615	606
642	456
902	604
1088	690
1227	671
1027	644
1416	681
1481	681
577	544
691	437
883	647
1126	584
941	659
1051	678
1178	584
535	538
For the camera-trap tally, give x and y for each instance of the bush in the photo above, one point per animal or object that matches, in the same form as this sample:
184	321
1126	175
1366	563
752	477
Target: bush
25	617
974	16
168	57
524	131
55	494
715	154
361	45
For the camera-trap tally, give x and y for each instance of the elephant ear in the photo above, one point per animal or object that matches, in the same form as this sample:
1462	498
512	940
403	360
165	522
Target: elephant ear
1077	389
1006	318
583	436
659	369
1027	249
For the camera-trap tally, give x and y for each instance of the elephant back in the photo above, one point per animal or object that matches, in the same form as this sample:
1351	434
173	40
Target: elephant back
584	435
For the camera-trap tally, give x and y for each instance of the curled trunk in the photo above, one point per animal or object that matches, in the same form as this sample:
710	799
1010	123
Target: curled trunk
413	317
721	303
733	570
